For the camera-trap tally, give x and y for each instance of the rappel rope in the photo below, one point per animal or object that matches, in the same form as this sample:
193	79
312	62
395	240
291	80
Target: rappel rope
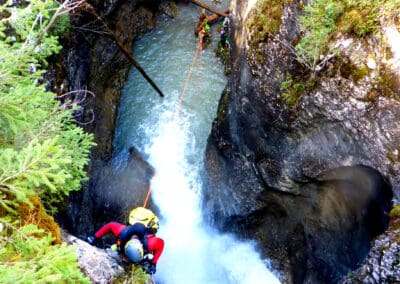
200	62
188	78
146	200
181	98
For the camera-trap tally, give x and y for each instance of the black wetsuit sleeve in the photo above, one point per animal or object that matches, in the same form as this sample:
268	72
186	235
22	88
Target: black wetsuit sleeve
137	229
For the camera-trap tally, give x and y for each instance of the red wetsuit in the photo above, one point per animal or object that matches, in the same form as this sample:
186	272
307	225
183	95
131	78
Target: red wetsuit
154	244
113	227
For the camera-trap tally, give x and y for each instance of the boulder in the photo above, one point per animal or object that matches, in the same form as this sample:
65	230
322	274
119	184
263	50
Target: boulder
96	263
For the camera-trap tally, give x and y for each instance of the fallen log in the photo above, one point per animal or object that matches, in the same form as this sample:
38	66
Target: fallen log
212	18
122	48
198	3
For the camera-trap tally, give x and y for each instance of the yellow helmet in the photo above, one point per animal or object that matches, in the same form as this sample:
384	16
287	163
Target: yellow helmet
144	216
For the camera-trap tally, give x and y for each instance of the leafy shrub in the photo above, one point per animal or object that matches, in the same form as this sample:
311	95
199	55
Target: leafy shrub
42	151
323	19
24	258
319	21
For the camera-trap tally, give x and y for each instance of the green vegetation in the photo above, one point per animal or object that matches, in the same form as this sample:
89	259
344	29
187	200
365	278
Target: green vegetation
224	55
26	258
291	90
395	212
42	151
322	20
319	21
265	20
293	87
135	275
395	217
223	106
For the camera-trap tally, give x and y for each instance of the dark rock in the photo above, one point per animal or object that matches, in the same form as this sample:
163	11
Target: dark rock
118	190
382	262
93	62
277	173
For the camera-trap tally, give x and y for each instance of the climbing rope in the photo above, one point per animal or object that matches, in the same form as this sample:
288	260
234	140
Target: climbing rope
146	200
200	63
198	49
188	77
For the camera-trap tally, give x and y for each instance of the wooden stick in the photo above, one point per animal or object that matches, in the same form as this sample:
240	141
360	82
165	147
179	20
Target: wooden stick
122	48
198	3
211	19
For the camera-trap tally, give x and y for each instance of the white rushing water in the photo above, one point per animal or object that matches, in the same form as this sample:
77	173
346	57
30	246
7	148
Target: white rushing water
174	145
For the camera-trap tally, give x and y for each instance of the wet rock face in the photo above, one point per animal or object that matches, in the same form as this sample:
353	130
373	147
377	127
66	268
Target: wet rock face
276	172
120	189
95	63
324	230
381	265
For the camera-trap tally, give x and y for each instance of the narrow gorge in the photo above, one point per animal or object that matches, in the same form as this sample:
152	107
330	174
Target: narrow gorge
301	165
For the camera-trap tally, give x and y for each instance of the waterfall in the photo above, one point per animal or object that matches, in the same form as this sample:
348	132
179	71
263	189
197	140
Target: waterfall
174	145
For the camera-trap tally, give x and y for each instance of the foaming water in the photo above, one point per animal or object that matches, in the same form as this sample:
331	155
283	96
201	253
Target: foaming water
174	145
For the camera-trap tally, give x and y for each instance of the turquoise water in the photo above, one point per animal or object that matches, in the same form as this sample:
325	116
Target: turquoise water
173	138
167	54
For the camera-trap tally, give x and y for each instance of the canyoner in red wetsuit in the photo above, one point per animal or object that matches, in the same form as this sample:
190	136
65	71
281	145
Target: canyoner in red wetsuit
136	243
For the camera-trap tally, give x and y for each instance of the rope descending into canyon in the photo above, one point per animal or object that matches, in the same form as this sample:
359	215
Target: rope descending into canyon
181	98
146	200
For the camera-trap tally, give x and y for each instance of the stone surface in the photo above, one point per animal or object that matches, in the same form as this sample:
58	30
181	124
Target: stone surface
93	62
95	263
382	264
265	157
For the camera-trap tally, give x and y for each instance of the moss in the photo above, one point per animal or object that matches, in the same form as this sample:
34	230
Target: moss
395	218
388	83
223	106
134	275
265	20
224	54
391	157
360	72
358	22
37	215
292	95
395	212
295	86
351	71
260	56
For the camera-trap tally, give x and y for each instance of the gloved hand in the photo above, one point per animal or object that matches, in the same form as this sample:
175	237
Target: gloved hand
149	267
91	239
148	257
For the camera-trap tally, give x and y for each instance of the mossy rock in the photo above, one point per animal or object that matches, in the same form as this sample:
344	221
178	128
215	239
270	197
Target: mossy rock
395	212
395	217
355	22
37	215
265	19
